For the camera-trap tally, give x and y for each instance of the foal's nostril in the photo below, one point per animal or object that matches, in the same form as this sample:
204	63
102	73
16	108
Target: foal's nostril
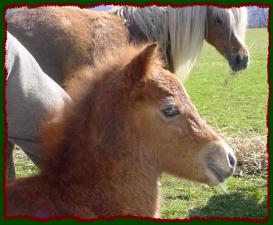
232	160
238	59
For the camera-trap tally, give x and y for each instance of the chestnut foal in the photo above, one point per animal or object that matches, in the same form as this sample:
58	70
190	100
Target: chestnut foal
130	121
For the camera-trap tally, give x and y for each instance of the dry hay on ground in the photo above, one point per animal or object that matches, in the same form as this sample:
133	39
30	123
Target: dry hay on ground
252	155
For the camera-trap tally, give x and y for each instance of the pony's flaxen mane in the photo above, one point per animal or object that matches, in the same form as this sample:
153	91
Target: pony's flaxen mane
152	21
240	16
187	34
180	31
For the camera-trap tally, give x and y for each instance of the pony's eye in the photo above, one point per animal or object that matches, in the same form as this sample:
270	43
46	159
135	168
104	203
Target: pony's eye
170	111
218	20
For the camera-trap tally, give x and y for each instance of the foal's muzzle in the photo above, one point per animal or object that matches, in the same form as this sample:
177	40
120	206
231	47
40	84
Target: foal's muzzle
220	162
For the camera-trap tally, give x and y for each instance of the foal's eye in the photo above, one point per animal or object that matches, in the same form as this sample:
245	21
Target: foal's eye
170	111
218	20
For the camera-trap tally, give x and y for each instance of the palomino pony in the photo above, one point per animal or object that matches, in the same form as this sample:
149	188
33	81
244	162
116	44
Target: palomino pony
62	39
130	121
181	32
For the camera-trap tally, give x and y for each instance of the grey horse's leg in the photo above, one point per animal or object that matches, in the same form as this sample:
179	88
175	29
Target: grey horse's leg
10	169
30	94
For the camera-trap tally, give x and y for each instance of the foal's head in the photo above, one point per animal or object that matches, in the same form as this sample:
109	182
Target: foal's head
140	109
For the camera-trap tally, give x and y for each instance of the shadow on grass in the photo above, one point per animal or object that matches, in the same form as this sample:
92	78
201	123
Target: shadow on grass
234	205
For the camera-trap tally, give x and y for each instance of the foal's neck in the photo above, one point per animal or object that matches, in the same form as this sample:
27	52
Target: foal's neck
112	182
131	186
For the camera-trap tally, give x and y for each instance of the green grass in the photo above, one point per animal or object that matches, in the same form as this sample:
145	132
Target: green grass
232	103
23	166
236	198
235	104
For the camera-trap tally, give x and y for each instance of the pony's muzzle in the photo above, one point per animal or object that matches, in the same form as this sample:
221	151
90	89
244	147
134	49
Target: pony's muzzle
239	61
220	162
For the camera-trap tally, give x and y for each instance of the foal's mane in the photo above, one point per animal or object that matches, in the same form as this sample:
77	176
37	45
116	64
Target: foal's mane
179	31
94	117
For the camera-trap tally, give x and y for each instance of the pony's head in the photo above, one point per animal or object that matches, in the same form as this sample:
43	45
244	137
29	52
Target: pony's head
181	33
226	32
138	108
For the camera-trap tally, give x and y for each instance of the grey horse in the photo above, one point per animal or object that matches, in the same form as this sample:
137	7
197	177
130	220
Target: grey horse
30	94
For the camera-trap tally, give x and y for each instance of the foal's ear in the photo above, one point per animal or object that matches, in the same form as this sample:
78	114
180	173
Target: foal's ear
137	69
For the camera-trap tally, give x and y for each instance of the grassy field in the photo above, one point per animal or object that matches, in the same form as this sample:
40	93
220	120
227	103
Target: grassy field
243	197
236	105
